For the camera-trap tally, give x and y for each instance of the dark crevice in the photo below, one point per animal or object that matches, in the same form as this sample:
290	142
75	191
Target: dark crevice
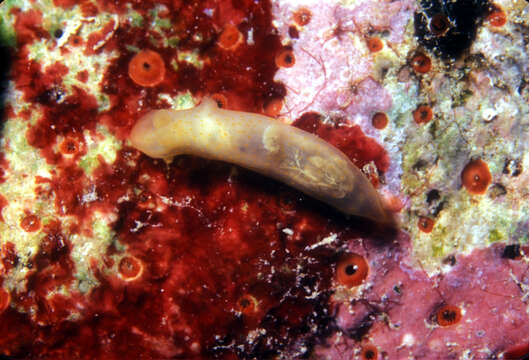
462	19
5	67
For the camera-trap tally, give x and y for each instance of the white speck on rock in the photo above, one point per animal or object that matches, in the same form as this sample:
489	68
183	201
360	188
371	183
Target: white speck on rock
326	241
288	231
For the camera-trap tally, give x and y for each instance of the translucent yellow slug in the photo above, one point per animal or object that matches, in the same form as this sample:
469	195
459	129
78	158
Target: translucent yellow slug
262	144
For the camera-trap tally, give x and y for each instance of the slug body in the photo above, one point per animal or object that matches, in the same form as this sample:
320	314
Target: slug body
262	144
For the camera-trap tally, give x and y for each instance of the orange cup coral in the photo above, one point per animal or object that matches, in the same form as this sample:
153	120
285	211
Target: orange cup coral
147	68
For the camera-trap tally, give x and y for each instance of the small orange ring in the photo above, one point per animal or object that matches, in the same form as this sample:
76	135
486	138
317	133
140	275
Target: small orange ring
130	268
230	37
352	270
285	58
448	315
476	177
147	68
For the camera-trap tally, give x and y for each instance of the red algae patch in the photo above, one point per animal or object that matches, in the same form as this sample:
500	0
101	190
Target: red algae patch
102	39
421	63
285	58
147	68
88	8
65	3
28	26
3	204
423	114
497	16
230	37
379	120
4	165
82	76
476	177
5	299
448	315
352	270
302	16
425	224
8	256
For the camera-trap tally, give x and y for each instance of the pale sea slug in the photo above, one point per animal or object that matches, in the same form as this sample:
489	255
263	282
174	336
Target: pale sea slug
262	144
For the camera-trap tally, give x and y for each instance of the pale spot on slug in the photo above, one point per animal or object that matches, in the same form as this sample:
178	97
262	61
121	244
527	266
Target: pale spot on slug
262	144
328	175
163	120
271	140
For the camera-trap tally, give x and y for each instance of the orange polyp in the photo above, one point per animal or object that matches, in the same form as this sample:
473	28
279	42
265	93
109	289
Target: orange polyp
69	146
130	268
448	315
5	299
285	58
379	120
439	24
221	100
476	177
76	40
247	304
497	16
230	38
302	16
369	352
374	44
147	68
352	270
425	224
30	223
273	107
421	63
422	114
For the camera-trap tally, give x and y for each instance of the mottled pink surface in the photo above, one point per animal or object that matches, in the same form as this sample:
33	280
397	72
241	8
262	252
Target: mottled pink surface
367	16
353	100
332	51
396	311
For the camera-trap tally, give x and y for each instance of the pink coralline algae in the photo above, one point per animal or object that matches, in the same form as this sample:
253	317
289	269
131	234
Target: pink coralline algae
341	66
367	17
476	309
353	99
